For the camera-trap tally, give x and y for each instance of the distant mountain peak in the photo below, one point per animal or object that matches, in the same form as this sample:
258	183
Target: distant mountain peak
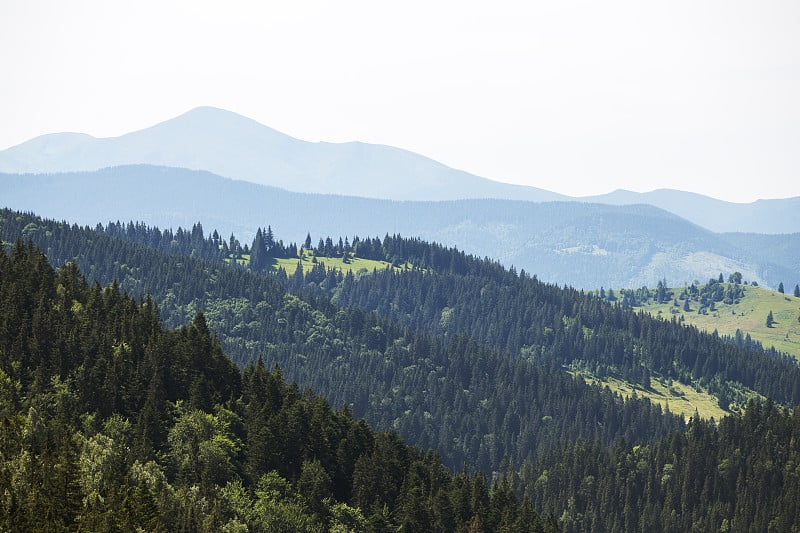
235	146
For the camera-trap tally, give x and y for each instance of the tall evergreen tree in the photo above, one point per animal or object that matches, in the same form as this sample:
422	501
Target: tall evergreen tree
269	239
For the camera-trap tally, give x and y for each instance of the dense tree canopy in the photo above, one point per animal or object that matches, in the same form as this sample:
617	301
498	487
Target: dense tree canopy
111	419
474	404
111	422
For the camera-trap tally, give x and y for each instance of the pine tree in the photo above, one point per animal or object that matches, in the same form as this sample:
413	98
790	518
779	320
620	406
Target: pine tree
258	253
269	239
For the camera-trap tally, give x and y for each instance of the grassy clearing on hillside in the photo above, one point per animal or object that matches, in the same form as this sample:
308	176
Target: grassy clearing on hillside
749	316
677	398
354	265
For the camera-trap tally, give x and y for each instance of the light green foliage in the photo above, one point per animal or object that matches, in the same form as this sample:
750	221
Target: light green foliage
274	508
314	485
203	447
346	519
102	459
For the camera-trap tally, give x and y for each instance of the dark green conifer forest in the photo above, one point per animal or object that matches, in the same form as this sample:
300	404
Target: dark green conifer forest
110	422
453	354
472	403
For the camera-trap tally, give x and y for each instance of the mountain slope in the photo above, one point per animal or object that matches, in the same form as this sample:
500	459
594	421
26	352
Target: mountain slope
429	389
583	245
108	424
237	147
745	316
112	423
783	250
762	216
240	148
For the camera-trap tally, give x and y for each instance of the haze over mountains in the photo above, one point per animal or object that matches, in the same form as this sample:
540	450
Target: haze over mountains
761	216
240	174
233	146
580	244
237	147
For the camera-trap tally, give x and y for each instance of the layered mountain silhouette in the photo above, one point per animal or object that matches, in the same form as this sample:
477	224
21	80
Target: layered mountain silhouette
236	147
761	216
234	174
580	244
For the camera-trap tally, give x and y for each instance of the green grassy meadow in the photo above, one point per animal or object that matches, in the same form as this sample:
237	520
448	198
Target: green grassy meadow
676	397
749	316
354	265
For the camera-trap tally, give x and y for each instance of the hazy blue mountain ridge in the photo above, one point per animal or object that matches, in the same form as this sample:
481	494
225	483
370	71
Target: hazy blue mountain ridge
579	244
762	216
237	147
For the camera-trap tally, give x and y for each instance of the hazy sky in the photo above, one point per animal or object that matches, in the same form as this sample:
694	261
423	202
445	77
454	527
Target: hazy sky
579	97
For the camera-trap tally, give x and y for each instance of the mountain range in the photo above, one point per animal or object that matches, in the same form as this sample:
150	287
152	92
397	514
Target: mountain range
234	175
580	244
236	147
131	424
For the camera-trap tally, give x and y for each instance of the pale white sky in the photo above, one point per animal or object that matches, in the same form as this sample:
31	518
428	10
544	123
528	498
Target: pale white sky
578	97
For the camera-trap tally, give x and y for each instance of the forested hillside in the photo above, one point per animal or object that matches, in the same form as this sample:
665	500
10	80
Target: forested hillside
542	322
110	422
582	245
474	404
422	362
449	292
742	475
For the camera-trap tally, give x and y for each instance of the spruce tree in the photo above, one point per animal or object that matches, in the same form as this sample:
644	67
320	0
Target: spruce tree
258	253
269	239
